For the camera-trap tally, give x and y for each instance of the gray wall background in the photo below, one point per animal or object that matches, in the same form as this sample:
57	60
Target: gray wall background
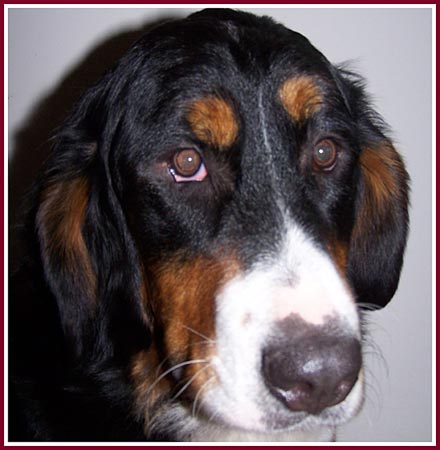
55	53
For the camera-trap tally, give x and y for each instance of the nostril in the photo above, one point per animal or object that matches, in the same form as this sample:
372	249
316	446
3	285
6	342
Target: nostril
299	397
312	373
343	389
277	371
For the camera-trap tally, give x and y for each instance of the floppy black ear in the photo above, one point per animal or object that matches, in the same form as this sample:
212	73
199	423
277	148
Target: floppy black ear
88	256
381	223
378	239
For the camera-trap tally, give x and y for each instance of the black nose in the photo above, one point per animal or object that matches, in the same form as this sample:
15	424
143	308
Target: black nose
313	371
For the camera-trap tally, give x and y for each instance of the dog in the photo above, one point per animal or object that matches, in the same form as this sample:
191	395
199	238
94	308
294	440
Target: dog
215	217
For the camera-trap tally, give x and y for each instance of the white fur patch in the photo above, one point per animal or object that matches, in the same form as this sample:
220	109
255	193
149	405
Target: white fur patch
211	433
300	280
312	288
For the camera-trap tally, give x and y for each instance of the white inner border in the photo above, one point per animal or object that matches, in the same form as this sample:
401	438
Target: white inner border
237	5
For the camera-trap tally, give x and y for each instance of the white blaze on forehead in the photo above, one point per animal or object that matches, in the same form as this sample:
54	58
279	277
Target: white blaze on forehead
315	290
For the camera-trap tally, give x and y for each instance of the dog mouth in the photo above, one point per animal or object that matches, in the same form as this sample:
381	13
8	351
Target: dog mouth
332	416
299	378
260	411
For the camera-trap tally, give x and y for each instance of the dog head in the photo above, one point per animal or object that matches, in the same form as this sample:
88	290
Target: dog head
217	209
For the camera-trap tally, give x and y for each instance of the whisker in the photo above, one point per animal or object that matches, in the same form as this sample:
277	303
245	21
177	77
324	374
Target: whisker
196	398
213	416
206	338
160	365
172	369
187	347
187	384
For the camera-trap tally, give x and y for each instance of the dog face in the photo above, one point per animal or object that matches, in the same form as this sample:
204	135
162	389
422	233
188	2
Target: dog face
223	202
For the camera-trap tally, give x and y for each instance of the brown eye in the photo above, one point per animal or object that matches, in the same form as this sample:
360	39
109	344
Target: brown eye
186	163
324	155
187	166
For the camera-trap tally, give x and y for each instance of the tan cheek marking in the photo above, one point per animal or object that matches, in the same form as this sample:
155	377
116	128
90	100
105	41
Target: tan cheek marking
60	219
149	389
213	121
300	97
339	253
185	302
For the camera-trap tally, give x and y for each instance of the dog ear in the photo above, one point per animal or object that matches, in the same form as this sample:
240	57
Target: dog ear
378	238
381	224
88	257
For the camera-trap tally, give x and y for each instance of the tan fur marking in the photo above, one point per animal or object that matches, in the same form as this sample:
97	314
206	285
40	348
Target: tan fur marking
187	290
301	97
339	253
143	295
213	121
60	219
379	168
149	387
384	179
183	301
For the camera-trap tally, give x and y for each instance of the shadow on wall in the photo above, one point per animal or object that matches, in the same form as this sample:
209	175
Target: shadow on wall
31	142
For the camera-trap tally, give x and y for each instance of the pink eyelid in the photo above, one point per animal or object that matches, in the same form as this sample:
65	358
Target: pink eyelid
200	175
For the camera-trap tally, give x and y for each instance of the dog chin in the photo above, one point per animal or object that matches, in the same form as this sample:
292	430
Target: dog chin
248	421
225	431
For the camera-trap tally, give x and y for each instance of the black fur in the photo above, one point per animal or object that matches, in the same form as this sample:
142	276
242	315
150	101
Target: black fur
70	346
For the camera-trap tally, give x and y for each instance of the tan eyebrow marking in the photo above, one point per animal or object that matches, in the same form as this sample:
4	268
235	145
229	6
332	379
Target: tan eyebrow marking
301	97
213	121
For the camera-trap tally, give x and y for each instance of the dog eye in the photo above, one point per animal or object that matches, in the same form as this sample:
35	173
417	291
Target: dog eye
187	165
324	155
